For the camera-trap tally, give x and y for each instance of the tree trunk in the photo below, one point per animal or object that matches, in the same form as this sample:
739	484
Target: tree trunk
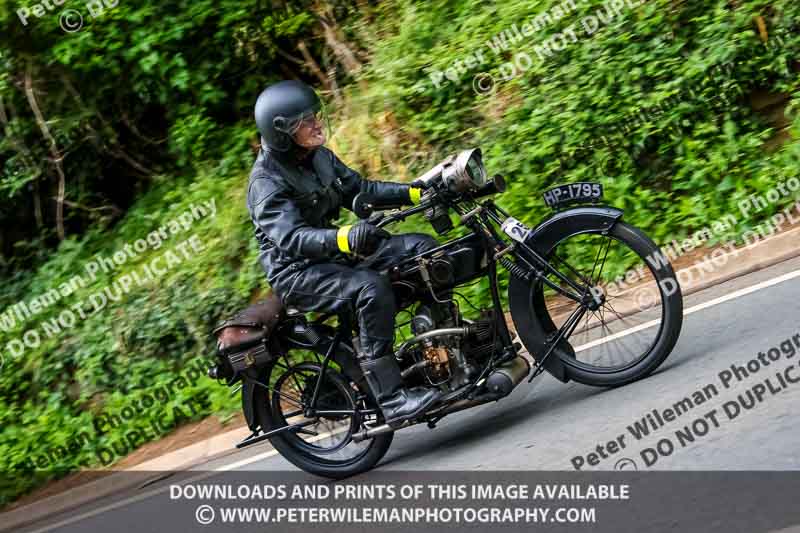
26	158
336	41
312	64
57	158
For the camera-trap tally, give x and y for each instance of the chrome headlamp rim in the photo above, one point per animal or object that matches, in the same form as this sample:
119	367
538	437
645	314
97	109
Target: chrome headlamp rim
457	175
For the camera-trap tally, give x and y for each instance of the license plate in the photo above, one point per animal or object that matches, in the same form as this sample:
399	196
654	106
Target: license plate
515	229
582	191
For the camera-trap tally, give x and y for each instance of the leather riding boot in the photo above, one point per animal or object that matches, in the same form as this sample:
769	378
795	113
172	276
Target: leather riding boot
397	402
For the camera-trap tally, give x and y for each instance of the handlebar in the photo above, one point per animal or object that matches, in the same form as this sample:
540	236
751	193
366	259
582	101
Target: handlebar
383	219
368	207
364	205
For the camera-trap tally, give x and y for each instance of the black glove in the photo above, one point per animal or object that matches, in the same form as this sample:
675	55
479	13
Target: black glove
361	239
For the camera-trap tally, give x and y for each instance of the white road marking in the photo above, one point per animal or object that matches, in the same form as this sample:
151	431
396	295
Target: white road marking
256	458
155	492
245	462
271	453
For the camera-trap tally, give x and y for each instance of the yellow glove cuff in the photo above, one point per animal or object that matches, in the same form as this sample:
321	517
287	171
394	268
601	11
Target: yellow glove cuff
414	194
341	239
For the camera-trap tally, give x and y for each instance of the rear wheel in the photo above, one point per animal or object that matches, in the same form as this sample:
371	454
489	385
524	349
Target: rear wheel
633	324
323	445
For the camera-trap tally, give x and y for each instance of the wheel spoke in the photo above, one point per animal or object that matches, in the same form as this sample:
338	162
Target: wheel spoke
298	403
578	274
328	437
297	384
596	259
606	344
603	264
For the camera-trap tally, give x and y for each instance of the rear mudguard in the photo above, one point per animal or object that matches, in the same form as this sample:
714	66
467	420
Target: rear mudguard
298	334
527	306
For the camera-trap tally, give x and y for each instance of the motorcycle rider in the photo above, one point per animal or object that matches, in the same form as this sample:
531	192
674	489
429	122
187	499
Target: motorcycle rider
296	189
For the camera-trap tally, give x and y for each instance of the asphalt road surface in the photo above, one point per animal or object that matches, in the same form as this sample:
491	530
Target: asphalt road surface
553	426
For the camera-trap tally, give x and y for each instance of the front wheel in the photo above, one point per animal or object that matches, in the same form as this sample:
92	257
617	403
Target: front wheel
631	314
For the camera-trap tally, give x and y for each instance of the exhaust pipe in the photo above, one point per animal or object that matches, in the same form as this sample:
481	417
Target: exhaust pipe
460	405
428	335
380	430
499	383
507	376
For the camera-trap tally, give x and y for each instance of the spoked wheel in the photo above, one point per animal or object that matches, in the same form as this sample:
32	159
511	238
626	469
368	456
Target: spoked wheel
630	318
322	444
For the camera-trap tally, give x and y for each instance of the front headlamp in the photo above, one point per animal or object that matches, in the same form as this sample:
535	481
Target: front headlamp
466	172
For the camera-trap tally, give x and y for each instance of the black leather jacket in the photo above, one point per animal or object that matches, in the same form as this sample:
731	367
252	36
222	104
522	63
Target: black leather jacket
293	204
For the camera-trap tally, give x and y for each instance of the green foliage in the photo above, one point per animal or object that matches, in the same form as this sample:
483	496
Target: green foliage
140	89
690	162
135	345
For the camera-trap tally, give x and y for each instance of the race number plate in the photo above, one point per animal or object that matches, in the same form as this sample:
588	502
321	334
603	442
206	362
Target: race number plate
570	193
515	229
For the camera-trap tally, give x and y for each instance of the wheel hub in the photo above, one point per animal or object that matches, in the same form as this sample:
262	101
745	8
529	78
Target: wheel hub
594	299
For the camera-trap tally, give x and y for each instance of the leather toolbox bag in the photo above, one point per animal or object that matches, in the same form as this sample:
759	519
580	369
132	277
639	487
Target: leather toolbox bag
243	339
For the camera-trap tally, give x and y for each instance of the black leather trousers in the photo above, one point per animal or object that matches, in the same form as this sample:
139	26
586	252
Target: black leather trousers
360	290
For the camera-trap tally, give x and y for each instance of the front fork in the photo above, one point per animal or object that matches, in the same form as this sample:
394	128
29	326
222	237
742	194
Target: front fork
531	267
509	351
588	299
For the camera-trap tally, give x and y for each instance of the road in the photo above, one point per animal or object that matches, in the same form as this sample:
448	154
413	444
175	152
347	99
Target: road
553	426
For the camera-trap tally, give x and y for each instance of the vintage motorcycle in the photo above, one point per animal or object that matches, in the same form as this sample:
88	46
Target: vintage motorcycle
590	297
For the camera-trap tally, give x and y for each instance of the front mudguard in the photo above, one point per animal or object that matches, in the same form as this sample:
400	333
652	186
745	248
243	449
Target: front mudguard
526	300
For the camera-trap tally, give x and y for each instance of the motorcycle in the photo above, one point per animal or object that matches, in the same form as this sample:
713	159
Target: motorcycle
590	297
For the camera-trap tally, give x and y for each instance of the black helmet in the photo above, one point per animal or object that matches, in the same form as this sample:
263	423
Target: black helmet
279	110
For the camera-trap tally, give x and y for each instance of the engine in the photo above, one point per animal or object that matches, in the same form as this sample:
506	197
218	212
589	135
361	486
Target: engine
449	351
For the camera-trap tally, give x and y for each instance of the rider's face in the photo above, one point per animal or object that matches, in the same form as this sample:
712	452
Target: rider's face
310	133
